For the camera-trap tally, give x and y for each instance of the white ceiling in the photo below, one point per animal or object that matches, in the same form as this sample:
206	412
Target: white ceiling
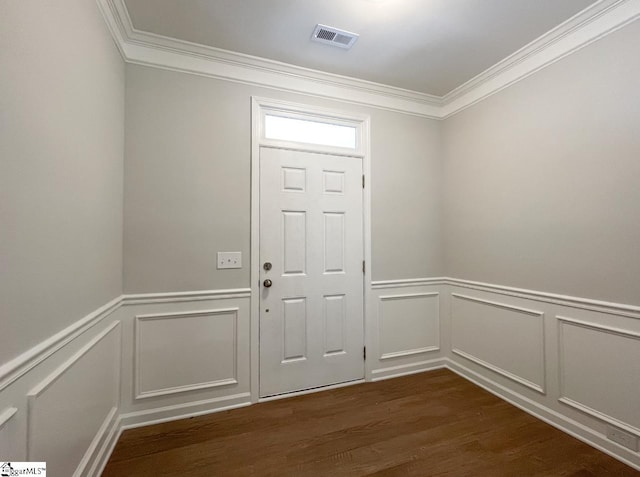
430	46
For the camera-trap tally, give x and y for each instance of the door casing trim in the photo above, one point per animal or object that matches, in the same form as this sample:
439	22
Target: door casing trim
258	107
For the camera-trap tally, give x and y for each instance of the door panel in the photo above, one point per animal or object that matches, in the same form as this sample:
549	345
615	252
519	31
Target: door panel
311	231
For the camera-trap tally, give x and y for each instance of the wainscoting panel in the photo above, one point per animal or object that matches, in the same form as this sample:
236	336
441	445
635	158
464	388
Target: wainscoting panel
504	338
404	329
7	431
186	351
142	359
599	371
70	411
572	362
408	324
184	355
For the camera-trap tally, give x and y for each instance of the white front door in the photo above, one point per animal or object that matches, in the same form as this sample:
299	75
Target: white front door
311	234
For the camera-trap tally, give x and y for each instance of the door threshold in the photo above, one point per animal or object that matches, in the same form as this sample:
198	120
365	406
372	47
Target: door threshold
273	397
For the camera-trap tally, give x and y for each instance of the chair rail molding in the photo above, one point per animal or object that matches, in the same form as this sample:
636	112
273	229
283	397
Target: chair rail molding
69	380
18	367
39	379
407	282
618	309
630	311
175	297
7	415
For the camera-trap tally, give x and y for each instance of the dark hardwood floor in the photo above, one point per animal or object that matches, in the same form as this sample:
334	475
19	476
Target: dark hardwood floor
426	424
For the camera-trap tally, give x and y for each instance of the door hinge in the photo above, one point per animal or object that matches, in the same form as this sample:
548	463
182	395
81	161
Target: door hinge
363	181
364	353
363	266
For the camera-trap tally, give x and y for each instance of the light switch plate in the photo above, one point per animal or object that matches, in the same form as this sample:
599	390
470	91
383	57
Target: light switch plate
229	260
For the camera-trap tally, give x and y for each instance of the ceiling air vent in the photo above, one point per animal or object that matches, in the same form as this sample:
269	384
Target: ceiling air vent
333	36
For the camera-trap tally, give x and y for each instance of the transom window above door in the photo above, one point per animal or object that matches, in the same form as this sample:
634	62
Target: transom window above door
290	128
310	132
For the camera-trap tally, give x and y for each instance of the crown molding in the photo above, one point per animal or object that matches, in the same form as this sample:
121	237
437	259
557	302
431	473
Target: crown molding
149	49
589	25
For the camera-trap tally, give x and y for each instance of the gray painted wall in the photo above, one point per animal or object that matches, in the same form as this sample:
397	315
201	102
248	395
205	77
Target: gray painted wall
536	187
542	181
61	166
187	183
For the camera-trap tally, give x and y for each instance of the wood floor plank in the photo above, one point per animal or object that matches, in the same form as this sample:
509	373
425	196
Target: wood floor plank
432	424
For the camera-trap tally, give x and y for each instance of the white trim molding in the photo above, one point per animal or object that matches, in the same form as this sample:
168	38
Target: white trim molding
538	387
407	369
629	311
496	304
104	452
175	412
591	24
583	420
149	49
597	327
563	320
6	416
137	372
412	351
95	451
544	413
408	352
45	384
175	297
407	282
21	365
362	123
497	369
285	109
600	415
64	367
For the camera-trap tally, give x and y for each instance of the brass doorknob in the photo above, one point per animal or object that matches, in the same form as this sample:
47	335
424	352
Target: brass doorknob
267	283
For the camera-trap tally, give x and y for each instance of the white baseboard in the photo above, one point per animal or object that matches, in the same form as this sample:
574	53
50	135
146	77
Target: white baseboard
557	420
543	413
159	415
100	450
109	444
18	372
551	417
407	369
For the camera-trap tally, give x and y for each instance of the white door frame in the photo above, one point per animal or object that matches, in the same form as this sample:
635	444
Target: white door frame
259	108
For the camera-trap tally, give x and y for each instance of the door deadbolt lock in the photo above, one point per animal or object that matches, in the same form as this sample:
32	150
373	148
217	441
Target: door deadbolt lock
267	283
267	266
